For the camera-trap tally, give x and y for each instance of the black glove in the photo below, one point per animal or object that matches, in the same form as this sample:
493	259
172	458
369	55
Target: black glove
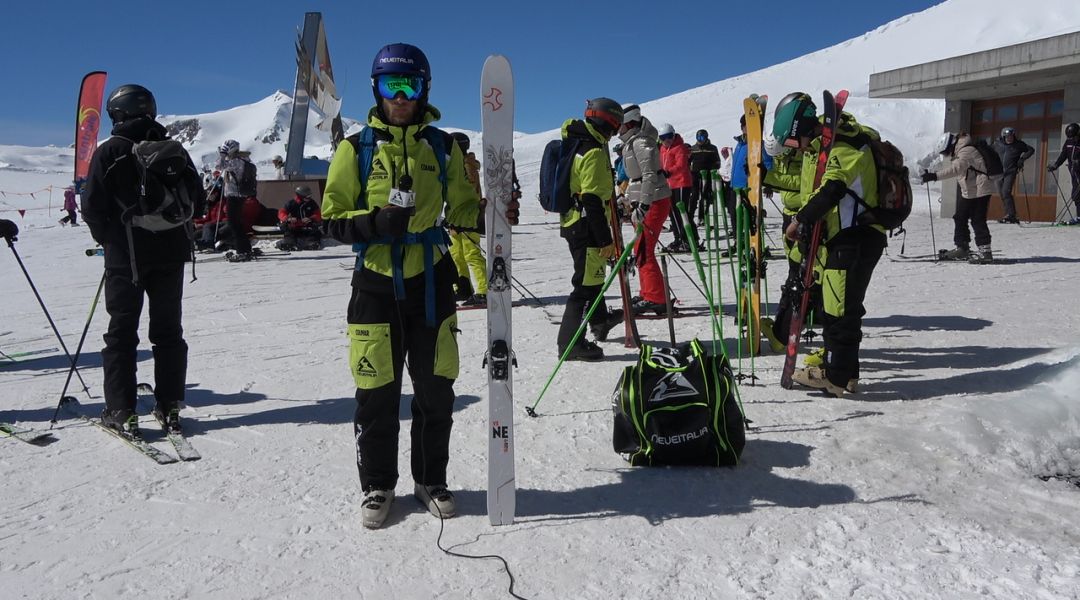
387	221
664	173
1020	166
764	170
928	176
9	230
1051	168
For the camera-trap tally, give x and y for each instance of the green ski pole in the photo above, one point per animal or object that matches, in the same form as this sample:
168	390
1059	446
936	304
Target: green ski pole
531	410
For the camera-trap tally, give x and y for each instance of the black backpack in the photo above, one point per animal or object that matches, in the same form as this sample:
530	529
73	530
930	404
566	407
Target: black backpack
678	407
164	200
248	184
994	169
893	185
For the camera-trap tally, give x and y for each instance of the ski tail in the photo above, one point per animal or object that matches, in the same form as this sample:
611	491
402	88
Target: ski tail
832	108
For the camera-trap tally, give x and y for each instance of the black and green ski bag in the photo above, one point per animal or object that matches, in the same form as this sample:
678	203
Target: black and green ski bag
678	407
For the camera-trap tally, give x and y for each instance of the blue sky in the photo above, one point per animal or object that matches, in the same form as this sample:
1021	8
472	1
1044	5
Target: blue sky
209	56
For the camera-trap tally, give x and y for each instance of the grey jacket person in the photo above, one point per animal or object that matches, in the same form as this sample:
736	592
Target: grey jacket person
967	164
641	160
232	169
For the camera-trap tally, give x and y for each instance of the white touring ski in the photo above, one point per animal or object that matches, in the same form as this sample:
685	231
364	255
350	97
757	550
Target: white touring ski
497	98
36	437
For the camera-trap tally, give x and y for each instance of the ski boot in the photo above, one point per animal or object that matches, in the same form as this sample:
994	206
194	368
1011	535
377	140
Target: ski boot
1010	219
601	330
585	351
122	420
984	256
814	377
957	253
438	500
375	507
766	326
479	300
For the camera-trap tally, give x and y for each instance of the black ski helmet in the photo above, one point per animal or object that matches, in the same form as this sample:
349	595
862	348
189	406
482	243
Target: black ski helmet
462	140
1072	130
401	59
604	114
129	101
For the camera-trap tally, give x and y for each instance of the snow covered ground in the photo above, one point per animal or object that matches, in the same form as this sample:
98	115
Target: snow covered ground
925	484
929	483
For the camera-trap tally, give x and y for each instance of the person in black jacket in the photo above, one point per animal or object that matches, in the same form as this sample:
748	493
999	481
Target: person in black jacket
147	262
1013	152
703	157
301	222
1070	151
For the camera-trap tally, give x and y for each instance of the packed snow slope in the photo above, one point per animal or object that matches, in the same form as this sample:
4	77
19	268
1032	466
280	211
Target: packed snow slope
951	474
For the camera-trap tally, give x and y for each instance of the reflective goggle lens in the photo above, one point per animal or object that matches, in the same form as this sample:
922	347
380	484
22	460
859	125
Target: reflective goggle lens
392	85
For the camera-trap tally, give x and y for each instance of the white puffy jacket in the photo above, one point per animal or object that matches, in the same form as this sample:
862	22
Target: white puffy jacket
641	160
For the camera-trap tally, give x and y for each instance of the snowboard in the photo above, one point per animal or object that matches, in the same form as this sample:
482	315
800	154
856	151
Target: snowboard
754	110
497	112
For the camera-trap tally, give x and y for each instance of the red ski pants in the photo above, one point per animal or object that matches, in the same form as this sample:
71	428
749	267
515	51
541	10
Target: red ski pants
650	277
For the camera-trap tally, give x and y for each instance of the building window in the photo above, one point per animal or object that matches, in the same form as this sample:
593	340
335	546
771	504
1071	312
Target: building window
983	115
1057	107
1032	110
1006	112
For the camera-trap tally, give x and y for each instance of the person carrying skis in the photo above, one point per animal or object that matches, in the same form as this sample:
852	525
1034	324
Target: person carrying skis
301	222
704	157
848	188
976	187
586	227
138	262
1070	151
70	206
402	304
465	242
675	163
650	197
231	163
1013	152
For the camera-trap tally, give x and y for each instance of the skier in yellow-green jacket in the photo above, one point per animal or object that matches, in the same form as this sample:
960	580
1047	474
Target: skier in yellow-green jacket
385	192
848	189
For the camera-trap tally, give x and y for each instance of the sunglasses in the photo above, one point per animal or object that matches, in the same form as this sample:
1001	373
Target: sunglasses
392	85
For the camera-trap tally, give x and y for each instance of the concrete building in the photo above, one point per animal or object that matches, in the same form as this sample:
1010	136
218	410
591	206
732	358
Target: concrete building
1033	87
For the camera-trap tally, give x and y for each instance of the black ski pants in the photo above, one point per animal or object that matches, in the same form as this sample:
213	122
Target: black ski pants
701	196
385	334
852	257
235	206
678	228
587	282
971	210
1005	189
164	288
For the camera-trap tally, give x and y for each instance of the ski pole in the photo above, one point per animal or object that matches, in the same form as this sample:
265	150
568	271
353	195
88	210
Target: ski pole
667	299
531	410
1067	201
78	350
930	205
1027	198
701	275
11	244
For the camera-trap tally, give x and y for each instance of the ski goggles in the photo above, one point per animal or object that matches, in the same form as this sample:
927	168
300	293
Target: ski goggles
667	136
413	86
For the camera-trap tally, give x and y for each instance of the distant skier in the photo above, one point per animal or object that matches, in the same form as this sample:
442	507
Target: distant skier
1013	152
232	164
586	227
155	257
675	163
70	206
465	242
301	222
976	187
650	197
402	304
1070	151
704	157
853	248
